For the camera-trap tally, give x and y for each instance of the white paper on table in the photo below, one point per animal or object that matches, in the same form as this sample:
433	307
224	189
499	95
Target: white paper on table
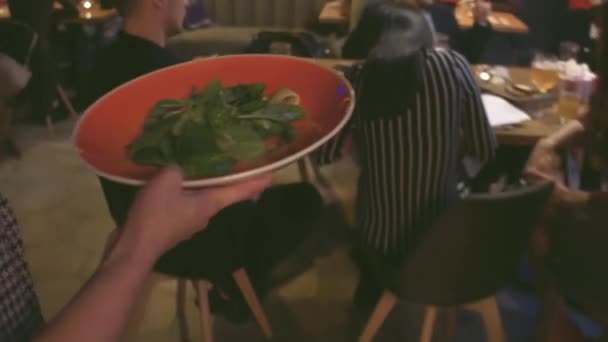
501	112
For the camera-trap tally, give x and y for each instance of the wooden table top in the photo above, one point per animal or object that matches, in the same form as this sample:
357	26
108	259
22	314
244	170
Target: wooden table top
332	13
94	15
501	21
527	133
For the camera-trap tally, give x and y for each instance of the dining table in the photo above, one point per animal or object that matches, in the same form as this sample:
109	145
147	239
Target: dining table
505	22
332	13
93	15
527	133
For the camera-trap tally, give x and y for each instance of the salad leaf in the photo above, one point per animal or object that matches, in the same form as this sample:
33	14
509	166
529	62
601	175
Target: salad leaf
241	143
208	132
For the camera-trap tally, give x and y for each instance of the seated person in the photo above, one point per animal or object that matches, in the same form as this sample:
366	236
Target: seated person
239	234
470	43
569	246
418	109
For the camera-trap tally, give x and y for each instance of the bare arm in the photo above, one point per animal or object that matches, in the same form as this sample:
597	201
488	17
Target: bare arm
162	216
545	163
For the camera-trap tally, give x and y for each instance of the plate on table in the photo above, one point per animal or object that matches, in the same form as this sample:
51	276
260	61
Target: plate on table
134	130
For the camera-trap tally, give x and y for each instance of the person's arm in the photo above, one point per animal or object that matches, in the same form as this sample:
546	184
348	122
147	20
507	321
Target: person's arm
478	136
162	216
100	311
545	163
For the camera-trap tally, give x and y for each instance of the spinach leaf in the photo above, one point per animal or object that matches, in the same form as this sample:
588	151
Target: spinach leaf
207	165
153	134
240	142
209	131
163	109
252	106
195	139
277	112
243	94
284	112
268	128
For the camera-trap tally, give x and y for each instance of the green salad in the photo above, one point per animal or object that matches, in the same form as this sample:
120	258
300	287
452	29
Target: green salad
211	130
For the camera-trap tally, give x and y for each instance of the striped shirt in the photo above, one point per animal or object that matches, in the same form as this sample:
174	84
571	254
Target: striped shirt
410	163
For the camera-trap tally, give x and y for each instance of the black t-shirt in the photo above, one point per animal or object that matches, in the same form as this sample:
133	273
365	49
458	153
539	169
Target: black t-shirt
128	57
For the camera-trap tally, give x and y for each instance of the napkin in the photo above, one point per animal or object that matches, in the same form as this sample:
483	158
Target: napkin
501	112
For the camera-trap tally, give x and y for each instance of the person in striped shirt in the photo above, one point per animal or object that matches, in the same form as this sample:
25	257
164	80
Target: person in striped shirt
418	111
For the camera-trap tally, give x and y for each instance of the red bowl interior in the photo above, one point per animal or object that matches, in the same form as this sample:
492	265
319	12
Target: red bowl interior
110	124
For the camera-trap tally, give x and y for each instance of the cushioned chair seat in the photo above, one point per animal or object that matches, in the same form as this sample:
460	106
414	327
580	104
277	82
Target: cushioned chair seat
239	20
220	40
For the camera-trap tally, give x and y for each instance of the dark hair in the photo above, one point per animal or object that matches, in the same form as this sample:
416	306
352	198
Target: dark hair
381	18
391	36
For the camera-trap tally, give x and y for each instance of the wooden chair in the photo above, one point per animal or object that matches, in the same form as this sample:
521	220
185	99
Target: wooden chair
471	252
21	47
202	288
15	56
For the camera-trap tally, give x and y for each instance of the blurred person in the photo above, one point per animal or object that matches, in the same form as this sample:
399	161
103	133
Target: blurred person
251	233
569	245
418	111
442	20
162	216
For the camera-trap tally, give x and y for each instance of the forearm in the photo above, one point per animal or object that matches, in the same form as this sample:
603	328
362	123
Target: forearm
568	134
101	309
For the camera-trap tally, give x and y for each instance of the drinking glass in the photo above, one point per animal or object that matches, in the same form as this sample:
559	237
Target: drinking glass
545	73
574	96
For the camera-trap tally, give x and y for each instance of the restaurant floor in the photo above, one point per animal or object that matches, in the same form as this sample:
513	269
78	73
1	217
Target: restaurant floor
64	224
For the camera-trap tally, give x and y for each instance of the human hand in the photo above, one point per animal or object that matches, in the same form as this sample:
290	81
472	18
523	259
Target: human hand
164	214
543	160
482	11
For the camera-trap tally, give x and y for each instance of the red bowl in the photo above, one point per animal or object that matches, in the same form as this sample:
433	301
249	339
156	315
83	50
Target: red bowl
112	122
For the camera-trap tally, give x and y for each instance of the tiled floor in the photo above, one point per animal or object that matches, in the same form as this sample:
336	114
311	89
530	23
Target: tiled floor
65	222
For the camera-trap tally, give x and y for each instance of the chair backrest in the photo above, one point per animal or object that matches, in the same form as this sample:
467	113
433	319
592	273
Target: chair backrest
21	42
264	13
474	249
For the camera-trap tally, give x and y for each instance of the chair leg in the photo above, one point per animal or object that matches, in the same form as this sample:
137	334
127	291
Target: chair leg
383	308
50	126
242	281
205	312
319	175
66	101
303	170
451	324
180	306
428	324
490	315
